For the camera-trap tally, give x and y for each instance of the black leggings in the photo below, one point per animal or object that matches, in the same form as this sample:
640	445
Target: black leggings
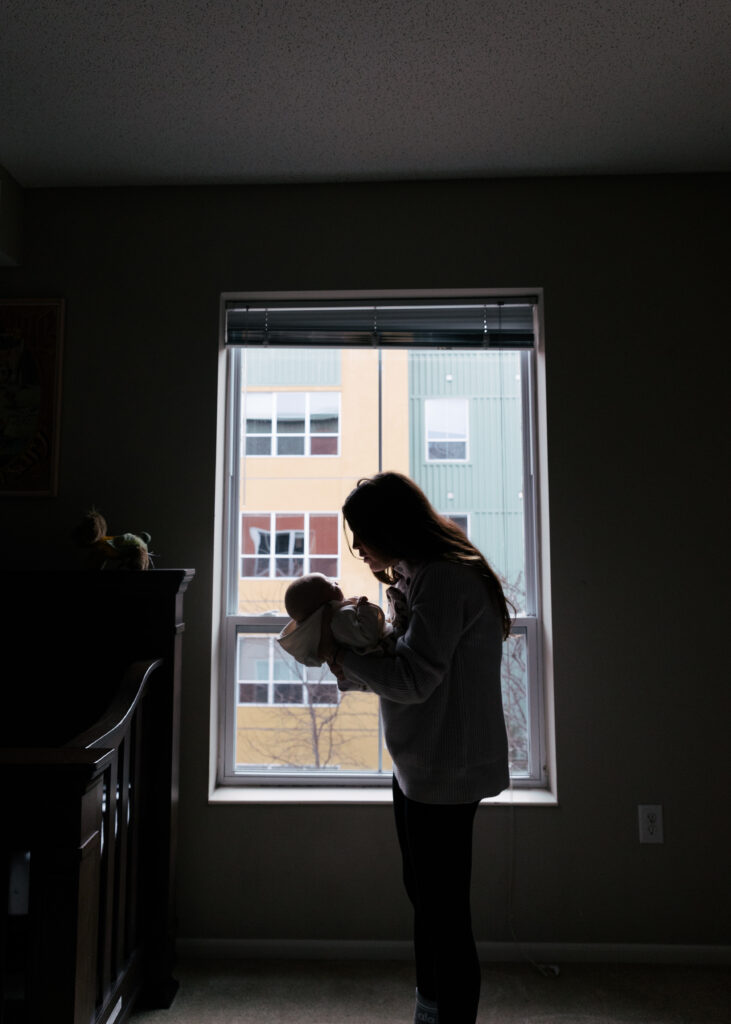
436	847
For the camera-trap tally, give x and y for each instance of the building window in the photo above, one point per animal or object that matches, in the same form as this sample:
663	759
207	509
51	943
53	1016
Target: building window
443	392
446	429
286	544
462	521
266	674
292	423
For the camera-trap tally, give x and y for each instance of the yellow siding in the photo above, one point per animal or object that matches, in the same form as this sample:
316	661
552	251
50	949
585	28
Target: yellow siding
271	735
284	735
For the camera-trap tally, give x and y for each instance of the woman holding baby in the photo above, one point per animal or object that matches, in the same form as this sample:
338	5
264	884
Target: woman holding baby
440	695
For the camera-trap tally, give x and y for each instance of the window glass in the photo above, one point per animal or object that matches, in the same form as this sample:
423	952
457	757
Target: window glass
291	720
291	423
324	412
258	445
291	413
323	534
268	675
324	445
254	659
290	532
258	424
515	701
290	445
255	544
460	521
253	671
288	693
289	546
258	413
286	545
446	428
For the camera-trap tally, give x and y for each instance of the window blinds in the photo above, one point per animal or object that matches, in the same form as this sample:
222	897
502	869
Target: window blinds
398	323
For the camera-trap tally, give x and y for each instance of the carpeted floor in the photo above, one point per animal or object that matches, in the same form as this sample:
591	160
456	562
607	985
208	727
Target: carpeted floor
357	992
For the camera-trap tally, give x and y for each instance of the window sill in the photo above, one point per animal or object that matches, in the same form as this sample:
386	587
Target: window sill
358	795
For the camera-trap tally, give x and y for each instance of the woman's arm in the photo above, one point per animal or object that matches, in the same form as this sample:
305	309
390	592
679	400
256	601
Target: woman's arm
328	646
438	601
359	625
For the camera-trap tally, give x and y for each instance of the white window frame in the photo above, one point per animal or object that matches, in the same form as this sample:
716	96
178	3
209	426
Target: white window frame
535	622
273	554
306	435
271	682
431	401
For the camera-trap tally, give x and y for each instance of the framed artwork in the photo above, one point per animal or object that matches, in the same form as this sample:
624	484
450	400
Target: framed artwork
31	340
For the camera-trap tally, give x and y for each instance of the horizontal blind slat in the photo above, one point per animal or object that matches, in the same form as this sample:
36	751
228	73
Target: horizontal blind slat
495	323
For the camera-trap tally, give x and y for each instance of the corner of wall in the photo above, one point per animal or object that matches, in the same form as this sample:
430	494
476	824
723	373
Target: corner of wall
11	208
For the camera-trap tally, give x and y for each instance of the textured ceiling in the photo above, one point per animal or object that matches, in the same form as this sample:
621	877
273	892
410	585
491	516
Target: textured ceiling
178	91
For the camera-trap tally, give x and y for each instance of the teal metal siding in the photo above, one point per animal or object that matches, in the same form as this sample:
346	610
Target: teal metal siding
489	485
291	367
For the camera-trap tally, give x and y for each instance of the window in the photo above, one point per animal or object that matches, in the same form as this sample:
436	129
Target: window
447	429
285	544
462	521
266	674
442	391
292	423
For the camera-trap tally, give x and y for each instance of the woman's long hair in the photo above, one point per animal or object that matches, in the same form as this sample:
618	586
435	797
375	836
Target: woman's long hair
390	514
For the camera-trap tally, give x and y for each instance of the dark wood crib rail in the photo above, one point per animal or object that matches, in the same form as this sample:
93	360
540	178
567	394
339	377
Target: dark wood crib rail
89	754
78	818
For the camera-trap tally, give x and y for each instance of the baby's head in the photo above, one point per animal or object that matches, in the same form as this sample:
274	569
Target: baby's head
305	595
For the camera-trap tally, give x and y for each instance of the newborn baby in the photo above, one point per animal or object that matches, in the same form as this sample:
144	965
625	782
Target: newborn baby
356	623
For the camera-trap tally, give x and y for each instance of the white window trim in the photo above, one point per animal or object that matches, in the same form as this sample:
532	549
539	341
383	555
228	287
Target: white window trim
227	736
224	788
466	442
307	434
306	556
277	624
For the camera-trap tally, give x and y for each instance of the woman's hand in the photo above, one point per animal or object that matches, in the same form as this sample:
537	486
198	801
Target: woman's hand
336	668
327	647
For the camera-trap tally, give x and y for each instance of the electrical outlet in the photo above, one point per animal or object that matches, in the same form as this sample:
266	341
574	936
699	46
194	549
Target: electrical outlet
650	816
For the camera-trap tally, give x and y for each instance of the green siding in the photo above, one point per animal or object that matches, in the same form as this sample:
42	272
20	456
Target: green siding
291	367
488	486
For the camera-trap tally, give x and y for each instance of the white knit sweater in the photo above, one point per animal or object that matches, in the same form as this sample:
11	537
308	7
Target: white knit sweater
440	692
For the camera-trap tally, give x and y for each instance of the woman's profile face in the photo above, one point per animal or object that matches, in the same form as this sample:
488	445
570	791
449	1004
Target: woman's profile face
375	560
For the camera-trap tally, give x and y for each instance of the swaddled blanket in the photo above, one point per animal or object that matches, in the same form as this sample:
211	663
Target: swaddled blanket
361	627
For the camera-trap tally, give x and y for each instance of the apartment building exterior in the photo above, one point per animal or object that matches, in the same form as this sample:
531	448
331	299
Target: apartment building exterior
313	422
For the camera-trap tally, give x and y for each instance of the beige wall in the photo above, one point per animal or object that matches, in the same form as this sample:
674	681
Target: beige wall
634	272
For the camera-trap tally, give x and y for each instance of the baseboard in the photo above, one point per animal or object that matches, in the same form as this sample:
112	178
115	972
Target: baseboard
489	952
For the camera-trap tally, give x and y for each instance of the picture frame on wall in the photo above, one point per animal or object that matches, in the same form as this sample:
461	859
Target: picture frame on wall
31	350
